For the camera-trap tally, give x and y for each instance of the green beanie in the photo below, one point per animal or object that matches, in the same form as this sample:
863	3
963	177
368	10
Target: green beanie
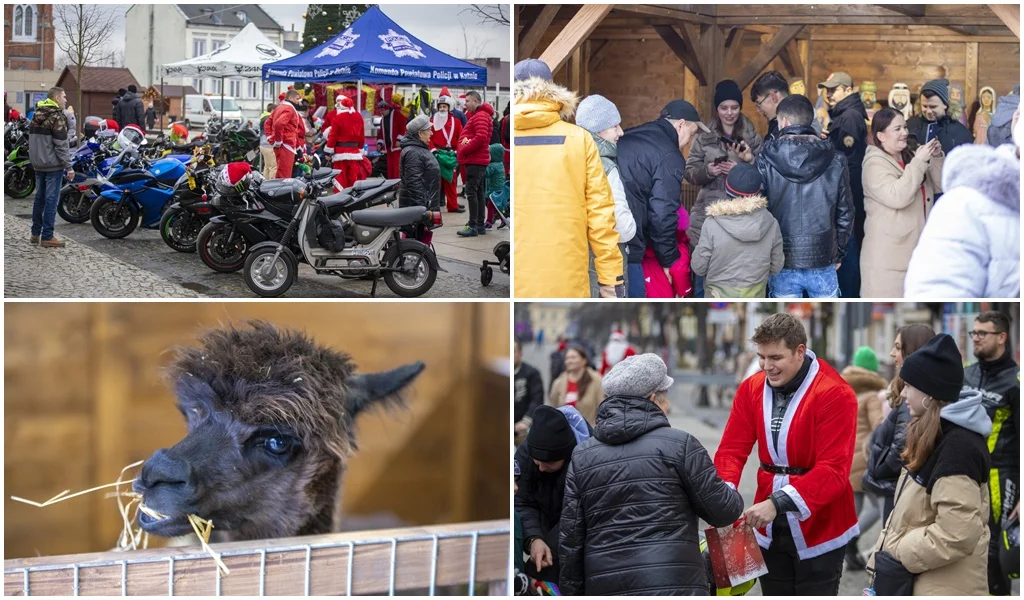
865	358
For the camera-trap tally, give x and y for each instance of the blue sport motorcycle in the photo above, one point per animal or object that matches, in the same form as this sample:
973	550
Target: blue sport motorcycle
134	192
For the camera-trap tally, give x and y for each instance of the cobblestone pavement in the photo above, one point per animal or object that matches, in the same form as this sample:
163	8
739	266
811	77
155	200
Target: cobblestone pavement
75	271
146	251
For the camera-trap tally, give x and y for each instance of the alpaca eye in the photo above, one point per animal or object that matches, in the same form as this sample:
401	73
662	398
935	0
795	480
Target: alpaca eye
277	445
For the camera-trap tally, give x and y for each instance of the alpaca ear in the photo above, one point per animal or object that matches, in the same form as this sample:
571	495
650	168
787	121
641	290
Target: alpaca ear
368	388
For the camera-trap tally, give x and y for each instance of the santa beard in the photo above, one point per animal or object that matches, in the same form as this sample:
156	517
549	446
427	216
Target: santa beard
615	351
440	119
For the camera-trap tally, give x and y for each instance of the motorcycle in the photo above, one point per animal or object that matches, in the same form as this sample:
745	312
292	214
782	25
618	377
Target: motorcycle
141	192
191	207
376	242
19	176
92	159
263	214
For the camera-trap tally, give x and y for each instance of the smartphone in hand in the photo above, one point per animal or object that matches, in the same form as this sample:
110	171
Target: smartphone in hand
930	133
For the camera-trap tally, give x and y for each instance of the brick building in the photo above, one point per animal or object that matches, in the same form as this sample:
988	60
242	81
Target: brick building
28	37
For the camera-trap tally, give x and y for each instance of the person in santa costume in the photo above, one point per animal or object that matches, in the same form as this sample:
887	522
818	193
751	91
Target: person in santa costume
617	349
286	133
392	127
445	132
803	416
345	143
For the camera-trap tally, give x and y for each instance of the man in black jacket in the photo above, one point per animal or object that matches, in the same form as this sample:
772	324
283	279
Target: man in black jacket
935	110
808	188
997	376
651	164
421	175
848	132
634	494
129	111
766	93
544	460
529	393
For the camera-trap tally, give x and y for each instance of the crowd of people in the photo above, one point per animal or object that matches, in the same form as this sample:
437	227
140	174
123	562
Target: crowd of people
609	496
849	207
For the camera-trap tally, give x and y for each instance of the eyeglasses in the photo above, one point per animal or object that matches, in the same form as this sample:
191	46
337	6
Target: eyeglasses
982	334
757	103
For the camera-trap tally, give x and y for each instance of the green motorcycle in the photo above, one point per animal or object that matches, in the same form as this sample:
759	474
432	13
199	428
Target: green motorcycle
19	176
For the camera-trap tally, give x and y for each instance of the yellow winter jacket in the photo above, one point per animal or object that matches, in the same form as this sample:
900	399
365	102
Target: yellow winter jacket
562	200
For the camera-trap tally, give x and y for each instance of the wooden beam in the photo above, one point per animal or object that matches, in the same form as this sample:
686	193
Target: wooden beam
535	31
576	71
710	51
734	49
1009	14
691	36
760	28
858	20
658	11
907	10
597	55
804	48
790	60
971	79
765	55
283	572
730	37
685	52
881	37
578	29
584	71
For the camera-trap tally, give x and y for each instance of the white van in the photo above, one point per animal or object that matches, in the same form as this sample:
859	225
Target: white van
199	109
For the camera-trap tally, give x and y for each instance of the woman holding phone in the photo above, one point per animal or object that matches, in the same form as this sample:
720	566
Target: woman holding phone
900	180
732	140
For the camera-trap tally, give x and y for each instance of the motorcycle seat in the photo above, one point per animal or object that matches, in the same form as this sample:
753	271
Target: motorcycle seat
339	200
389	218
323	173
367	184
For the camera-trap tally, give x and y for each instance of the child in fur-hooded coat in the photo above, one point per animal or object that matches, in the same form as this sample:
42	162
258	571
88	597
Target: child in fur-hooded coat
740	243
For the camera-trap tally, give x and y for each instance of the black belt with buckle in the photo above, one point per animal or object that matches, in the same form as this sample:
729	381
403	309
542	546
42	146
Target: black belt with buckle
778	470
348	145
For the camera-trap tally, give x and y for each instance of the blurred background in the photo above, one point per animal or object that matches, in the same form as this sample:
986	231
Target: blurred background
85	396
708	350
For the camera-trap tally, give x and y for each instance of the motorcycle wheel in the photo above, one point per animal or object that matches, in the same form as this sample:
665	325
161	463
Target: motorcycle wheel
408	284
74	206
19	183
114	220
180	229
282	273
214	252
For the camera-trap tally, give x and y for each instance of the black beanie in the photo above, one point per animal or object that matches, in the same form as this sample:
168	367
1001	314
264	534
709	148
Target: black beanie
550	438
936	369
727	89
743	180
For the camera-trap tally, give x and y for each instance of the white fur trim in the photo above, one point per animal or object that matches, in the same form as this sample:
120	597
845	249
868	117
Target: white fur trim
779	455
347	156
792	492
827	546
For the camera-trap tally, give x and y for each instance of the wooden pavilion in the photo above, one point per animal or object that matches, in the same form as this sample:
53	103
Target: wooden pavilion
641	56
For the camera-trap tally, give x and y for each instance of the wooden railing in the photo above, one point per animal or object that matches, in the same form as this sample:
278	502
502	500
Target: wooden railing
371	562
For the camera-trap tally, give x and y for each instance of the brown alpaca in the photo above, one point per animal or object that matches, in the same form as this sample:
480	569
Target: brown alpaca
270	429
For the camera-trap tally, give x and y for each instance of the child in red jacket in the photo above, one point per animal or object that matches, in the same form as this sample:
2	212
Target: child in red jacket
681	286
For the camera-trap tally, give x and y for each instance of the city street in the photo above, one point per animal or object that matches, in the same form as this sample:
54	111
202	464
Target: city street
707	424
142	265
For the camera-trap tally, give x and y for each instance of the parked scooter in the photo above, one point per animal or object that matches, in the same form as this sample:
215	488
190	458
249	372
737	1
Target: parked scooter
372	242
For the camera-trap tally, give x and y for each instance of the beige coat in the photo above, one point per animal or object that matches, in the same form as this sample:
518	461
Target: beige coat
589	398
943	537
895	218
866	385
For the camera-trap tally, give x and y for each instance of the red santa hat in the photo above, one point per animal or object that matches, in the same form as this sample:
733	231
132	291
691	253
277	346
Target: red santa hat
237	175
344	103
618	336
445	98
280	97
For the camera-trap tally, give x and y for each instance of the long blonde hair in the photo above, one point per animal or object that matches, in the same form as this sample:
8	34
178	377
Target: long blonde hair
912	337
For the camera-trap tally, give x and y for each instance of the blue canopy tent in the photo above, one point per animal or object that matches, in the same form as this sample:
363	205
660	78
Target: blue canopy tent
375	49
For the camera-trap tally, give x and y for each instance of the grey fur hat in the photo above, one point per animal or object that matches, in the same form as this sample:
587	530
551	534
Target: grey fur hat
597	113
638	376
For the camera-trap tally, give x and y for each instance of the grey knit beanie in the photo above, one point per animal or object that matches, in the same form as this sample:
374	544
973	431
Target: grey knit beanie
597	113
639	376
417	125
940	87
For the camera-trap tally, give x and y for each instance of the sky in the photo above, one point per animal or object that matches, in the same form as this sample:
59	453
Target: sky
440	25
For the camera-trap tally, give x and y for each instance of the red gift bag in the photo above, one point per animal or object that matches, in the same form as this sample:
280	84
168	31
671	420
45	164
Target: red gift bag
735	556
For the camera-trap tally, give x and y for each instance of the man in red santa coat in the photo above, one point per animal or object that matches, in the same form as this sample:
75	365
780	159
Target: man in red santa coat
803	416
617	349
345	143
445	132
287	131
392	126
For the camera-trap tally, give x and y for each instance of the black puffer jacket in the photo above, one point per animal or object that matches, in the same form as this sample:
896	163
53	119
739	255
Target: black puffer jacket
421	175
848	132
633	496
808	189
129	111
884	462
950	133
652	166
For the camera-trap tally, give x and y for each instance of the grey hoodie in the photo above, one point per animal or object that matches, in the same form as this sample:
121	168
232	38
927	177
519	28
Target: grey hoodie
969	413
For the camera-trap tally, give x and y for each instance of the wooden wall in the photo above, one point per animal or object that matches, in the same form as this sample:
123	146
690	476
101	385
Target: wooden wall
85	396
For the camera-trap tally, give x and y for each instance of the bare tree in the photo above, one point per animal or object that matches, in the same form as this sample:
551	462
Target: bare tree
495	14
83	32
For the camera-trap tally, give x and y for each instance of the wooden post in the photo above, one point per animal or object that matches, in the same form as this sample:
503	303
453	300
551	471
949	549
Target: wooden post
111	392
572	35
710	45
804	48
575	77
585	68
1009	14
971	80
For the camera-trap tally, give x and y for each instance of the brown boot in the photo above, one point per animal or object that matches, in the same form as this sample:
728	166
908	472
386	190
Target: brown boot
52	243
34	240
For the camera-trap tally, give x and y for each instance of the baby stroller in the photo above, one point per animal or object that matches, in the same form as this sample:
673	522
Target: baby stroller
498	207
501	251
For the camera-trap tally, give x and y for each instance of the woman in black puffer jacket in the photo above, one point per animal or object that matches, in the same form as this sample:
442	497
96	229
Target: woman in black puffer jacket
421	175
889	438
634	494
